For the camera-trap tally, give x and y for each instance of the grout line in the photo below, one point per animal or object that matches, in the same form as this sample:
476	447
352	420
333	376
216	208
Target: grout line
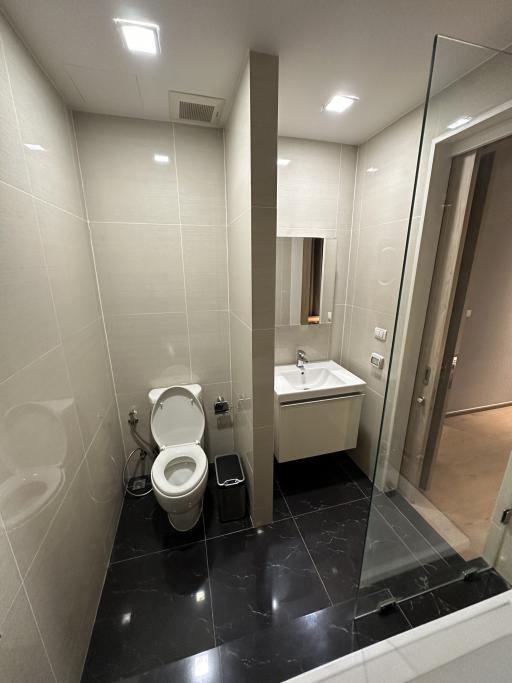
83	460
209	579
349	256
181	249
330	507
227	273
32	362
47	270
234	220
278	486
404	615
36	197
98	290
137	315
314	565
39	632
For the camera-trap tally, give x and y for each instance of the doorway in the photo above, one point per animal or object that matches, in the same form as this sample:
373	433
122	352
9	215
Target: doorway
461	414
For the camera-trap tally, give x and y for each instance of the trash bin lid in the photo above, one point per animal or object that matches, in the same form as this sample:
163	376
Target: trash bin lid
228	470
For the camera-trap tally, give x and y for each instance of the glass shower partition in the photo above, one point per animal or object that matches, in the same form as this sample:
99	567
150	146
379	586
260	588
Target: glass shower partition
411	547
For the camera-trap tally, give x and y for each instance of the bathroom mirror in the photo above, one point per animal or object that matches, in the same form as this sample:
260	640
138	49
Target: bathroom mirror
305	276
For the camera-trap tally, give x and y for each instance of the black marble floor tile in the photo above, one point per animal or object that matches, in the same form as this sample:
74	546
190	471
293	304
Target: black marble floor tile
212	524
356	474
372	628
276	654
448	599
154	610
316	483
389	563
203	667
335	539
261	577
424	528
144	528
421	548
281	509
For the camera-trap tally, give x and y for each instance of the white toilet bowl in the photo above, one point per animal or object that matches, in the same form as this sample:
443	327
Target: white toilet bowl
180	471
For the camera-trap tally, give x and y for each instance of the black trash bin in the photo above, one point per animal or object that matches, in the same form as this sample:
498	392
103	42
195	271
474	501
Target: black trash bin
231	488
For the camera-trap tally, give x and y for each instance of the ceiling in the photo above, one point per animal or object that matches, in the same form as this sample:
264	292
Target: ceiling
378	50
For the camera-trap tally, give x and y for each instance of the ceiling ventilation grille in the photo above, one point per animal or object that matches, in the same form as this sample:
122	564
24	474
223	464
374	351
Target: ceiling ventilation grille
196	112
195	109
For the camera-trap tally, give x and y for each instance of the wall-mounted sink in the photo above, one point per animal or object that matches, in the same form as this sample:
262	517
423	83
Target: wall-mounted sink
316	410
317	380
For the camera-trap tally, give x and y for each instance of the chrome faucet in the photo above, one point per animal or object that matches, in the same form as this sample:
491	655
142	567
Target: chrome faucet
301	359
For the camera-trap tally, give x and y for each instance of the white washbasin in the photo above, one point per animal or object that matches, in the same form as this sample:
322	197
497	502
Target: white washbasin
319	379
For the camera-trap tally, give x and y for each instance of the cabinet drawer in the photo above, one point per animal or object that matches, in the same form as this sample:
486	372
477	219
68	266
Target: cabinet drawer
314	427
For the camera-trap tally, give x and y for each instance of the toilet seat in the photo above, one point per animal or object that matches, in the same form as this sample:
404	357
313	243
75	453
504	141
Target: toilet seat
170	479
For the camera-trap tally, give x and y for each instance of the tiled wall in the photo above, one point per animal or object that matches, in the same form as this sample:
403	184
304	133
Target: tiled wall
60	442
384	182
315	198
159	236
251	146
384	187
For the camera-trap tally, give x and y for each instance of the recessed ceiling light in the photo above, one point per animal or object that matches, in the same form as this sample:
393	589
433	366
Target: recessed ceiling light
459	122
34	147
161	158
340	103
372	169
139	36
283	162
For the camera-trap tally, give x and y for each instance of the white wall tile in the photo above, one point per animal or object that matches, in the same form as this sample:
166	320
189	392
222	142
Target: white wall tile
140	267
238	151
43	120
39	438
313	339
200	164
67	246
219	428
10	579
148	350
239	258
362	343
308	186
209	346
23	654
13	169
378	267
205	261
89	372
121	178
263	271
65	580
29	327
264	76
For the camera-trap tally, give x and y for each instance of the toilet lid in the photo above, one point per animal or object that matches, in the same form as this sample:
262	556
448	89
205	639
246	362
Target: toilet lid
177	418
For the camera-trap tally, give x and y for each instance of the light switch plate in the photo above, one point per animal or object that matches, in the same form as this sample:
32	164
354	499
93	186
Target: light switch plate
381	334
377	360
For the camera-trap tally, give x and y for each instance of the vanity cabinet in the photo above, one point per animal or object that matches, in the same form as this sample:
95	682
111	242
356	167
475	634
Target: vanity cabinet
316	426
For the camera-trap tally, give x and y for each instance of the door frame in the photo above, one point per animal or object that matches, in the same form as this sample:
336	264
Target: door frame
491	126
451	320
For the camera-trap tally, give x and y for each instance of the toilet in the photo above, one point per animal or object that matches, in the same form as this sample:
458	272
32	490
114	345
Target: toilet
180	471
